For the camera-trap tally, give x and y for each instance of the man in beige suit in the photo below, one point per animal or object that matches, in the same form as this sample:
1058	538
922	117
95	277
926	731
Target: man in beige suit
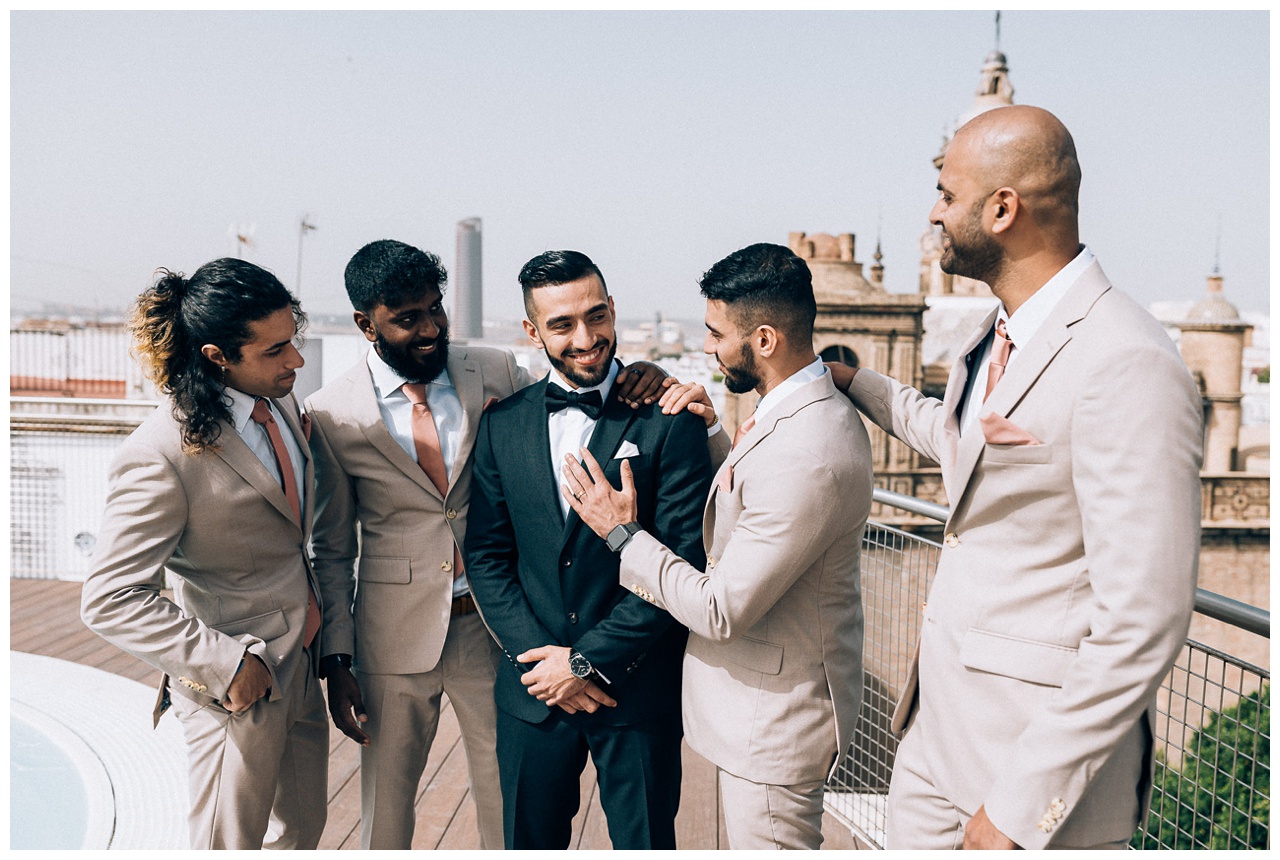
410	626
1070	445
215	487
773	666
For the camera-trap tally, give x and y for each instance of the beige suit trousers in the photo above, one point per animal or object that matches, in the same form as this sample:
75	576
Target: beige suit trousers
259	779
404	713
762	816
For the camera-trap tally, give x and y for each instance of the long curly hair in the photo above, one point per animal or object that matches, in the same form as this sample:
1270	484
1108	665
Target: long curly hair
175	317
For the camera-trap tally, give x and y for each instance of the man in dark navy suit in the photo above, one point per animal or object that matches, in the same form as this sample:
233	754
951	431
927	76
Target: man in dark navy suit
589	667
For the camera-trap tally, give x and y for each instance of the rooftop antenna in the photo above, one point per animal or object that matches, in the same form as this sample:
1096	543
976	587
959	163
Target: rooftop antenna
304	227
997	30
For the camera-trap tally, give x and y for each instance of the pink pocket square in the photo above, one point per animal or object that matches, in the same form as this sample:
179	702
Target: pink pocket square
724	480
306	426
998	430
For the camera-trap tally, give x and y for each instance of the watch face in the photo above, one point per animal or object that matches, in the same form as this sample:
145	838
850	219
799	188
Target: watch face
579	665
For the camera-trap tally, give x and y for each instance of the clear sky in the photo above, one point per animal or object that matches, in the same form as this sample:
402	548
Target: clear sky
656	143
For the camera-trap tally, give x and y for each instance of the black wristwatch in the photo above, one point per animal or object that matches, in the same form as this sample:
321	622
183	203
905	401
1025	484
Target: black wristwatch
333	661
580	666
619	536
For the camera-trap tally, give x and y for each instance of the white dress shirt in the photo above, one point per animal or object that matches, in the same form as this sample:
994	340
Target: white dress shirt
397	415
259	442
803	376
570	429
1020	328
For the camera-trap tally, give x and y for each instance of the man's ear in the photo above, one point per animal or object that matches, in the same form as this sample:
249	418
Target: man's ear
365	325
532	331
767	341
1006	207
214	354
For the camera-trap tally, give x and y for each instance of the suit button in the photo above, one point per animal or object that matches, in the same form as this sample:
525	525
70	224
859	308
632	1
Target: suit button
573	618
952	540
446	566
450	514
711	561
567	562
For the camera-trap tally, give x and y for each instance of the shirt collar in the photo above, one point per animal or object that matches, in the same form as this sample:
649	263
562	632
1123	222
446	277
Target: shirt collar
241	407
387	382
554	378
803	376
1026	321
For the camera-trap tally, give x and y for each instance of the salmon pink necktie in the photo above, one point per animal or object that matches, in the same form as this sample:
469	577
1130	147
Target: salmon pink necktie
262	415
426	442
1000	349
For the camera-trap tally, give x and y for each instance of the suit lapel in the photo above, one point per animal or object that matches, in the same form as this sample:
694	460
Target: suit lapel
468	381
535	450
1030	364
291	412
963	453
615	418
236	454
369	417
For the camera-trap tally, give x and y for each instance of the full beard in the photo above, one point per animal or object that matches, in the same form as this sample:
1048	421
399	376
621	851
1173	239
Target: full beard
972	253
742	377
583	377
413	368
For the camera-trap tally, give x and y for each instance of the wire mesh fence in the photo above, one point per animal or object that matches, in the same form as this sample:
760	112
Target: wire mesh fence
1212	746
1212	767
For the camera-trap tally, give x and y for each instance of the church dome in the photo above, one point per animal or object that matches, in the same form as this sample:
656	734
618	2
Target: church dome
1214	309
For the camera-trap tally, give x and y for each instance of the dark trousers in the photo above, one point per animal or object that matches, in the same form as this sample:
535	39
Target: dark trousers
637	769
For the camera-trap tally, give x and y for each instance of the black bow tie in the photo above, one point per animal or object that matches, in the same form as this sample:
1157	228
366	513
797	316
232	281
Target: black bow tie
590	403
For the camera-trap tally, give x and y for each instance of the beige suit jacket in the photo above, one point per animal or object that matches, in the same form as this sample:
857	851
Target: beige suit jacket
1065	585
773	668
396	621
220	523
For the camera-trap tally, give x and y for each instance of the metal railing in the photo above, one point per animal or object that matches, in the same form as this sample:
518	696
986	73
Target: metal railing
1212	761
1212	770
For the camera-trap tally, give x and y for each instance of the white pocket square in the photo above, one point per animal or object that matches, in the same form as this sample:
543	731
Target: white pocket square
627	449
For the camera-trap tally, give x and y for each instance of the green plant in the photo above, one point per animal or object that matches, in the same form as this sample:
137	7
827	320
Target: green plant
1221	796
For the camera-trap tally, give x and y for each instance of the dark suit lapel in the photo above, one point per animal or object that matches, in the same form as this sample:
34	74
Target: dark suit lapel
537	475
468	381
369	417
236	454
615	418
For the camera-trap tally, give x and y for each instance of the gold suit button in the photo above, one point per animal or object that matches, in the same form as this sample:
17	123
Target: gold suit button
446	566
711	561
952	540
1057	804
450	514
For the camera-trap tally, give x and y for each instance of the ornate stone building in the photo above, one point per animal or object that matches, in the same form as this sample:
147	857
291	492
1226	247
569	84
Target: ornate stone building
1212	344
994	90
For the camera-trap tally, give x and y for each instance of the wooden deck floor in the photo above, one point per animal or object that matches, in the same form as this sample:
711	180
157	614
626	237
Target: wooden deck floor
44	619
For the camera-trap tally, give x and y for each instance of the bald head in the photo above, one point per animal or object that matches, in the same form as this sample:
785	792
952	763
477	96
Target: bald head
1030	150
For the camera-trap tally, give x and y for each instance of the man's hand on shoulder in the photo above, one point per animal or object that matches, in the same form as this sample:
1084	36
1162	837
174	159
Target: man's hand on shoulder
251	683
981	834
680	396
841	374
638	384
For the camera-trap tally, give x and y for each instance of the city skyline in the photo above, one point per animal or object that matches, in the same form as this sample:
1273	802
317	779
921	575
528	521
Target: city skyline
654	142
